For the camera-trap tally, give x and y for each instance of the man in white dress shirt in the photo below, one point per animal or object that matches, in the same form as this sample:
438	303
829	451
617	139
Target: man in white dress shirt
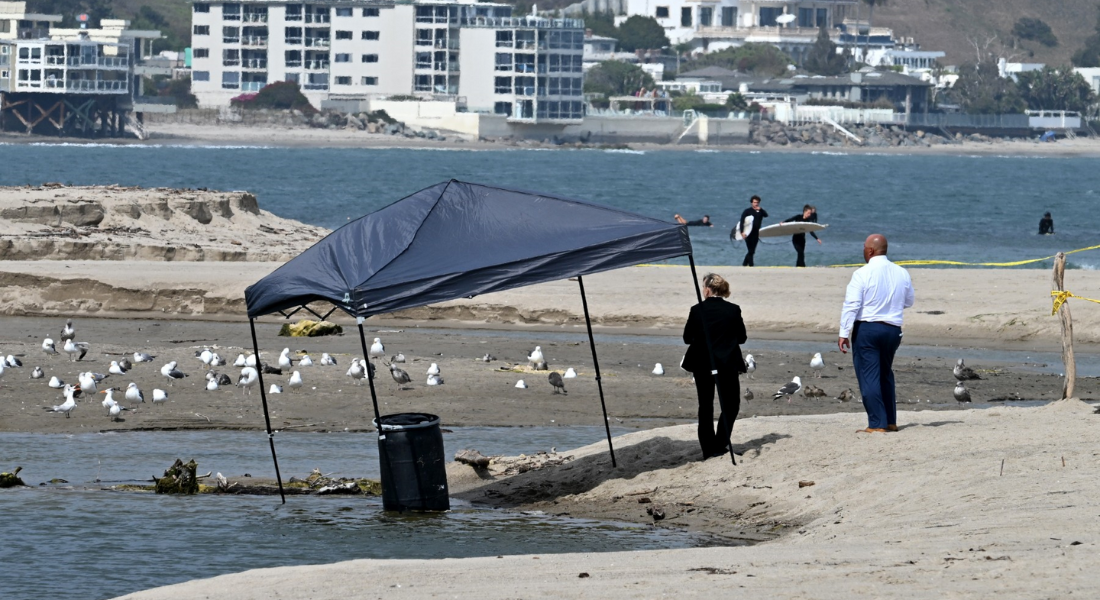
870	326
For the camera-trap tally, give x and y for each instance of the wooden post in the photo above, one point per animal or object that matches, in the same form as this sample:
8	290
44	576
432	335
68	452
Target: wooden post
1067	328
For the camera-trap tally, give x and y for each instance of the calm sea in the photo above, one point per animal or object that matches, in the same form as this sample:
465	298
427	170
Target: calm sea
967	208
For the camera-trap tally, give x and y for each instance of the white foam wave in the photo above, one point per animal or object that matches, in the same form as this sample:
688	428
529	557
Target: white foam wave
624	151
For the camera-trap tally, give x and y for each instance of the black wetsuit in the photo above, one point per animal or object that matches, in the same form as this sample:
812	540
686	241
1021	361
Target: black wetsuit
754	236
698	223
1046	225
799	239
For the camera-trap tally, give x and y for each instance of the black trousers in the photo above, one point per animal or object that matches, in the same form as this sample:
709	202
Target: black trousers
751	242
711	441
799	247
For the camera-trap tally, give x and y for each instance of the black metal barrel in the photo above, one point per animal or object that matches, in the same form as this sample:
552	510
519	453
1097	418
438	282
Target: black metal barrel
414	473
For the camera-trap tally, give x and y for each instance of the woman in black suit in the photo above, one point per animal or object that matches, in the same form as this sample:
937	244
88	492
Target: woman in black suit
717	325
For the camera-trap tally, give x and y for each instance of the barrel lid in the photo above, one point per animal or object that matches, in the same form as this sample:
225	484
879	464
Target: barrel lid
403	421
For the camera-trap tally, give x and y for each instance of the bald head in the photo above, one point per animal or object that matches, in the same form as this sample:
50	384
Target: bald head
874	246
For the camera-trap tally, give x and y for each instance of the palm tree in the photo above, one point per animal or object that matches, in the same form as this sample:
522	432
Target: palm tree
870	23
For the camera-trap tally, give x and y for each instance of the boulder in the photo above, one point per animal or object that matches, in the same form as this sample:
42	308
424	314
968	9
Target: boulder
310	328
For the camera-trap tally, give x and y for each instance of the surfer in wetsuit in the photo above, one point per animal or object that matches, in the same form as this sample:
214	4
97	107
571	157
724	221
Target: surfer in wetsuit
809	215
1046	225
752	235
704	222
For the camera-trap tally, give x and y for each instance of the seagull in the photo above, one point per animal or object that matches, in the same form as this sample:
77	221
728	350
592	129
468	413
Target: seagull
275	389
240	361
377	349
817	364
846	395
68	406
49	347
355	371
140	357
108	401
56	383
305	361
819	393
488	358
398	358
569	373
658	369
133	393
37	373
327	361
750	366
961	393
435	380
433	370
807	391
125	364
536	357
295	382
542	366
87	383
159	395
284	359
400	376
250	361
13	362
116	369
67	332
1	369
963	372
73	348
747	395
557	382
224	379
212	384
521	385
217	360
789	390
171	372
115	410
249	377
205	356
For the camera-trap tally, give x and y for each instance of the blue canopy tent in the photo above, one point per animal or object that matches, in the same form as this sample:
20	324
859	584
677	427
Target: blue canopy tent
457	240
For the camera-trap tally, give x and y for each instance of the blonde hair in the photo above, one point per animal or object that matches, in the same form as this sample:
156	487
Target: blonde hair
717	285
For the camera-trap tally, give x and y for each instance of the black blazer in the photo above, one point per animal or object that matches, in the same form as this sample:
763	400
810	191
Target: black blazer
727	333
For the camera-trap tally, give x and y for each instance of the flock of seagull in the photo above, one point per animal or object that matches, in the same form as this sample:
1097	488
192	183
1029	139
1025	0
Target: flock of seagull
89	383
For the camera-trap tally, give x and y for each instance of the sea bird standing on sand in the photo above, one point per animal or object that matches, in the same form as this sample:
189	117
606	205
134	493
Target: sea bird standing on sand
67	406
67	332
747	395
133	393
750	366
217	360
284	359
557	382
789	390
963	372
88	383
536	357
205	356
73	348
295	382
171	372
961	393
377	349
249	378
399	375
159	396
355	371
817	364
49	347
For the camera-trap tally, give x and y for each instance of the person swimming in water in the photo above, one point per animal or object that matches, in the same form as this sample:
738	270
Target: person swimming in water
704	222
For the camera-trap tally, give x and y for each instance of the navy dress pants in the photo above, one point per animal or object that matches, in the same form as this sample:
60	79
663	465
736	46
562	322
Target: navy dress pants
873	348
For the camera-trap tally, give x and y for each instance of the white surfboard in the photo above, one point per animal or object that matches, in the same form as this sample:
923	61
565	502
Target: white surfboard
781	229
738	233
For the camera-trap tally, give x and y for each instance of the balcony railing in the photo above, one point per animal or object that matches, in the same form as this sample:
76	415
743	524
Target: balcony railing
293	17
231	62
255	41
256	18
526	22
231	40
294	41
294	63
97	86
231	16
318	18
55	60
318	42
252	86
254	63
113	62
317	65
315	86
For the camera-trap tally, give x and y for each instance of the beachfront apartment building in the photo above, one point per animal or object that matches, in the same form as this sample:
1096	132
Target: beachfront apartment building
477	54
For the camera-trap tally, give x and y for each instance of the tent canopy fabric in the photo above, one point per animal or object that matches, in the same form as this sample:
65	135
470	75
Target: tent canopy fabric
457	239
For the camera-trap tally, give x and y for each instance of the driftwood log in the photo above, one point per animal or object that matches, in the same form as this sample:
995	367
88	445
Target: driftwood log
1067	328
12	479
180	478
473	458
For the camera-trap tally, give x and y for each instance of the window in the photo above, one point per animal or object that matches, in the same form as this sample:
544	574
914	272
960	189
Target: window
370	80
370	58
343	35
502	108
293	58
423	60
504	61
292	77
555	86
685	16
368	35
201	30
345	80
200	75
370	12
504	39
201	7
293	12
706	15
503	85
422	83
343	11
231	12
200	53
423	37
342	58
231	35
231	57
729	16
662	12
293	35
578	66
805	17
231	80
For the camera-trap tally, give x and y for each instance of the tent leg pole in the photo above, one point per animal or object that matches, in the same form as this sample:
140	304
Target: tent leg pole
267	414
370	374
713	369
596	364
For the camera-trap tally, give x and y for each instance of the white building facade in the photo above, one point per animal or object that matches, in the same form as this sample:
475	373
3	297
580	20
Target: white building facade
527	68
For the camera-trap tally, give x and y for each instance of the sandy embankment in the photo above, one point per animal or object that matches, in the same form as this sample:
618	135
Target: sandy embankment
924	513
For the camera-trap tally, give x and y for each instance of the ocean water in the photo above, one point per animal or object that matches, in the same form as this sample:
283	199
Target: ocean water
966	208
77	540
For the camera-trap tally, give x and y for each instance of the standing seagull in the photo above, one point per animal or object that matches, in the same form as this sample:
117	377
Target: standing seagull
747	395
49	347
67	406
400	376
377	349
295	382
355	371
789	390
171	372
249	378
557	382
817	365
536	358
961	393
964	373
750	366
72	348
67	332
159	396
88	383
284	359
133	393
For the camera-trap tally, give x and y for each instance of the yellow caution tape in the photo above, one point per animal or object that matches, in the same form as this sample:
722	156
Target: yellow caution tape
910	263
1061	297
